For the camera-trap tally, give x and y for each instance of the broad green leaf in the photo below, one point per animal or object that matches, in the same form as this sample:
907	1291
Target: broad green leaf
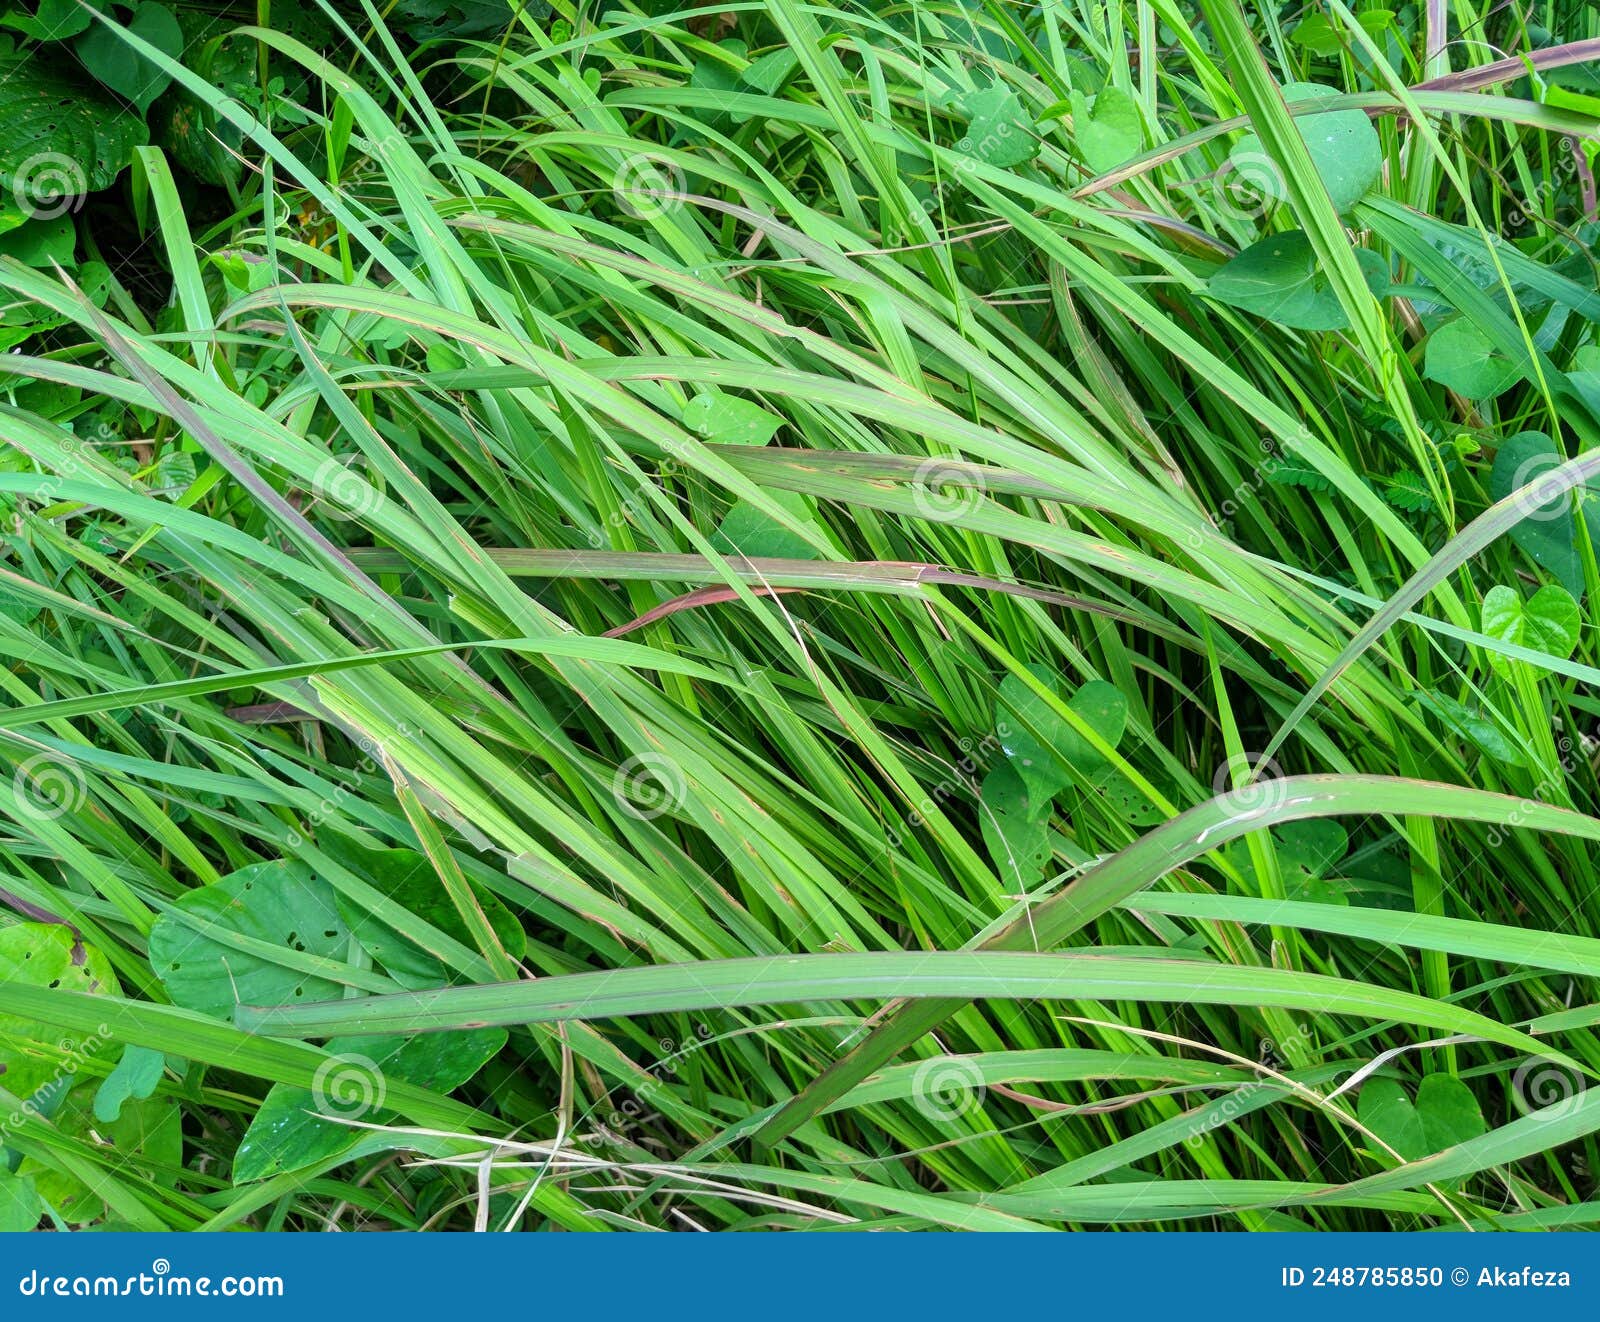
1548	621
46	955
769	73
145	1144
1109	133
19	1203
110	59
1471	724
999	130
1041	745
1319	34
48	241
1384	1108
1344	147
1461	358
52	20
407	877
135	1076
1016	832
728	420
298	1127
1280	279
748	531
60	138
1548	534
235	940
1450	1112
1444	1115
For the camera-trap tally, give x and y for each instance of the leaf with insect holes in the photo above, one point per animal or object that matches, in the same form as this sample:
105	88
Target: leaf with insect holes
407	877
1306	852
48	241
109	57
999	131
1281	279
1015	831
1344	148
45	955
1041	745
295	1127
1549	621
60	137
1109	132
237	940
1460	357
728	420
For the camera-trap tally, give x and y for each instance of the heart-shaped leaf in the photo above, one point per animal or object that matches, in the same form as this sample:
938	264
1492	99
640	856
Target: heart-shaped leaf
1344	147
1460	357
1041	745
1445	1115
236	940
1549	621
115	63
1108	133
1280	278
296	1127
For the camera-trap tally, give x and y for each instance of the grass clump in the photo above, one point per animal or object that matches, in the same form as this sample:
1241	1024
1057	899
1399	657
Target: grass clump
933	616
